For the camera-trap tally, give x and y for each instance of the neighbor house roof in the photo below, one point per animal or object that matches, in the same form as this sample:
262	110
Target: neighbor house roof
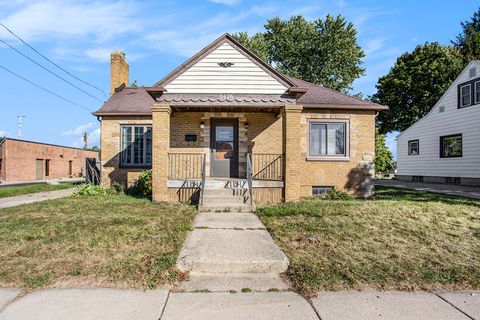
42	143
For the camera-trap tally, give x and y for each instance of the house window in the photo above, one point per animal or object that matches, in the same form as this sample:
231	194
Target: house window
465	95
47	167
413	148
136	145
451	146
469	93
320	191
328	139
453	180
477	92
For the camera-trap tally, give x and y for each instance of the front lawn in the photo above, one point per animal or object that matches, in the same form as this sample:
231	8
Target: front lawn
97	240
402	239
32	188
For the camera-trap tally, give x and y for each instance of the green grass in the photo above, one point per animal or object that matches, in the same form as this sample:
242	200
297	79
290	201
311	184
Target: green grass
97	240
401	240
32	188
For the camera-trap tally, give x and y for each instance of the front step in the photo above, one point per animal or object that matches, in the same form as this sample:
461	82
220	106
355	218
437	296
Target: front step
225	207
234	282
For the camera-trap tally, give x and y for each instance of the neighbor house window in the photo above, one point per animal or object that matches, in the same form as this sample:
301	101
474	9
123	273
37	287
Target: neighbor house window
328	139
465	95
451	146
477	92
413	148
469	93
136	145
47	167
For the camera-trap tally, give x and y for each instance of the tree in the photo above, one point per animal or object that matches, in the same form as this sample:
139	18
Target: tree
324	52
468	41
414	84
383	156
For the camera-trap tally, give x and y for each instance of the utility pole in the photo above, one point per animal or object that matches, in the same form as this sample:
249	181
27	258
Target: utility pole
20	125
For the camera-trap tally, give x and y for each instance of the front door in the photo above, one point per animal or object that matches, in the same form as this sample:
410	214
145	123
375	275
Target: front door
224	148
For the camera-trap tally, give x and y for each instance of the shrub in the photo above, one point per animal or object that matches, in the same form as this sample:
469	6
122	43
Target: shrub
119	187
88	189
338	195
143	186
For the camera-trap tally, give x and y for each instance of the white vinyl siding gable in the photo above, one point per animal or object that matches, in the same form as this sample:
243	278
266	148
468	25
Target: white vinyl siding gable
244	76
435	124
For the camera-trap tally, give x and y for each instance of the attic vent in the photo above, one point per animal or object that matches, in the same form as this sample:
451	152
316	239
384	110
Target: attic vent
226	64
473	72
441	109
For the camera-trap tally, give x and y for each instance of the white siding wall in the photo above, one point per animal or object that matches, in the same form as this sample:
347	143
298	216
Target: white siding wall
206	76
435	124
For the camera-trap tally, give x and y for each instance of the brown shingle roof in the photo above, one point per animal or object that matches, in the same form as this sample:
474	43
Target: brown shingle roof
133	101
318	96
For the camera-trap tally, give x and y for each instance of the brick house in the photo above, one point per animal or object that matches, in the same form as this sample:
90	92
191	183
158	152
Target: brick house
225	119
22	160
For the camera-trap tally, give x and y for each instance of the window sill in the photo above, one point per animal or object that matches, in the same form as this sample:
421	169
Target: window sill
333	159
135	166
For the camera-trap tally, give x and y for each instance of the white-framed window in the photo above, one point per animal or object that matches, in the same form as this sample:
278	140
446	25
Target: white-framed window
328	139
136	144
413	148
465	95
477	92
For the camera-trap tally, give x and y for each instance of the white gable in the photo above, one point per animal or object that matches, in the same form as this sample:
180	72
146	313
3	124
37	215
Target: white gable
207	76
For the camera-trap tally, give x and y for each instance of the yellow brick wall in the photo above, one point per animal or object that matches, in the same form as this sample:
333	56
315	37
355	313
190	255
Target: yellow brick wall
352	175
110	149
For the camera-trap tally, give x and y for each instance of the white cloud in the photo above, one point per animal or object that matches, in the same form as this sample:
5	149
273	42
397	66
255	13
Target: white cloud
4	133
225	2
373	45
35	20
78	131
93	139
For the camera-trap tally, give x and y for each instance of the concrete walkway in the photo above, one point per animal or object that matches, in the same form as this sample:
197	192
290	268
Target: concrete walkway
34	197
231	251
454	190
123	304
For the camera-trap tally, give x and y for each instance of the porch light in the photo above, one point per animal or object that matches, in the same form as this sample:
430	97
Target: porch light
202	125
246	125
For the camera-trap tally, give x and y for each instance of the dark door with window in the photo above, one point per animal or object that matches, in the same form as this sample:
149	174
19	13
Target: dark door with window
224	148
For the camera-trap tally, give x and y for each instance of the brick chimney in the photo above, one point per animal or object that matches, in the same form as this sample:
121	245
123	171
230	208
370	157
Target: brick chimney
118	70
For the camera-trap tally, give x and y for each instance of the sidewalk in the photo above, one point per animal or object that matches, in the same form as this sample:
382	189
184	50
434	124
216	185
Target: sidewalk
453	190
34	197
124	304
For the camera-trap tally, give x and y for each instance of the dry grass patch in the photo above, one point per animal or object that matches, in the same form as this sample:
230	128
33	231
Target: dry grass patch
115	240
400	240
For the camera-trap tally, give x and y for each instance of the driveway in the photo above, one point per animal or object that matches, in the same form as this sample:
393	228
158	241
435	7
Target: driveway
453	190
34	197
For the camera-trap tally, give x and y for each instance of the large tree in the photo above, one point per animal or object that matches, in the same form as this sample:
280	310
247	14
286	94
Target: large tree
324	52
468	41
415	83
383	156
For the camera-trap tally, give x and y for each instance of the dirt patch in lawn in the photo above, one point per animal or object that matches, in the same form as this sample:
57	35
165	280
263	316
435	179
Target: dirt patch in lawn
106	240
406	240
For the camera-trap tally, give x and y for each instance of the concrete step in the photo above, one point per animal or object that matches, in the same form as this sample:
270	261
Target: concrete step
234	282
227	220
222	200
224	251
225	207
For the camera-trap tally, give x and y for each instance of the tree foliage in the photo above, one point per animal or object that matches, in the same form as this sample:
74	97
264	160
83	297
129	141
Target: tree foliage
468	41
324	52
383	156
415	83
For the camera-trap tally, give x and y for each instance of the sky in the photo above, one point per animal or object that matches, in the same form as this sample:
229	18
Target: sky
157	36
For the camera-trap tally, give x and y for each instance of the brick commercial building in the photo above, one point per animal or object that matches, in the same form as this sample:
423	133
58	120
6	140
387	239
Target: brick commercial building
225	119
22	160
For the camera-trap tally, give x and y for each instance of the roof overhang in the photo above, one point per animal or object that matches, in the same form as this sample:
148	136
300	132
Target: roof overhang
345	106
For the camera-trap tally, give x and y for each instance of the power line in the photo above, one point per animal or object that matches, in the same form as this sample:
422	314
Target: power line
48	70
56	65
44	89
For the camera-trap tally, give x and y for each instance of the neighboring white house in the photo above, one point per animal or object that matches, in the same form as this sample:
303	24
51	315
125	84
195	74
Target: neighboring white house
444	146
